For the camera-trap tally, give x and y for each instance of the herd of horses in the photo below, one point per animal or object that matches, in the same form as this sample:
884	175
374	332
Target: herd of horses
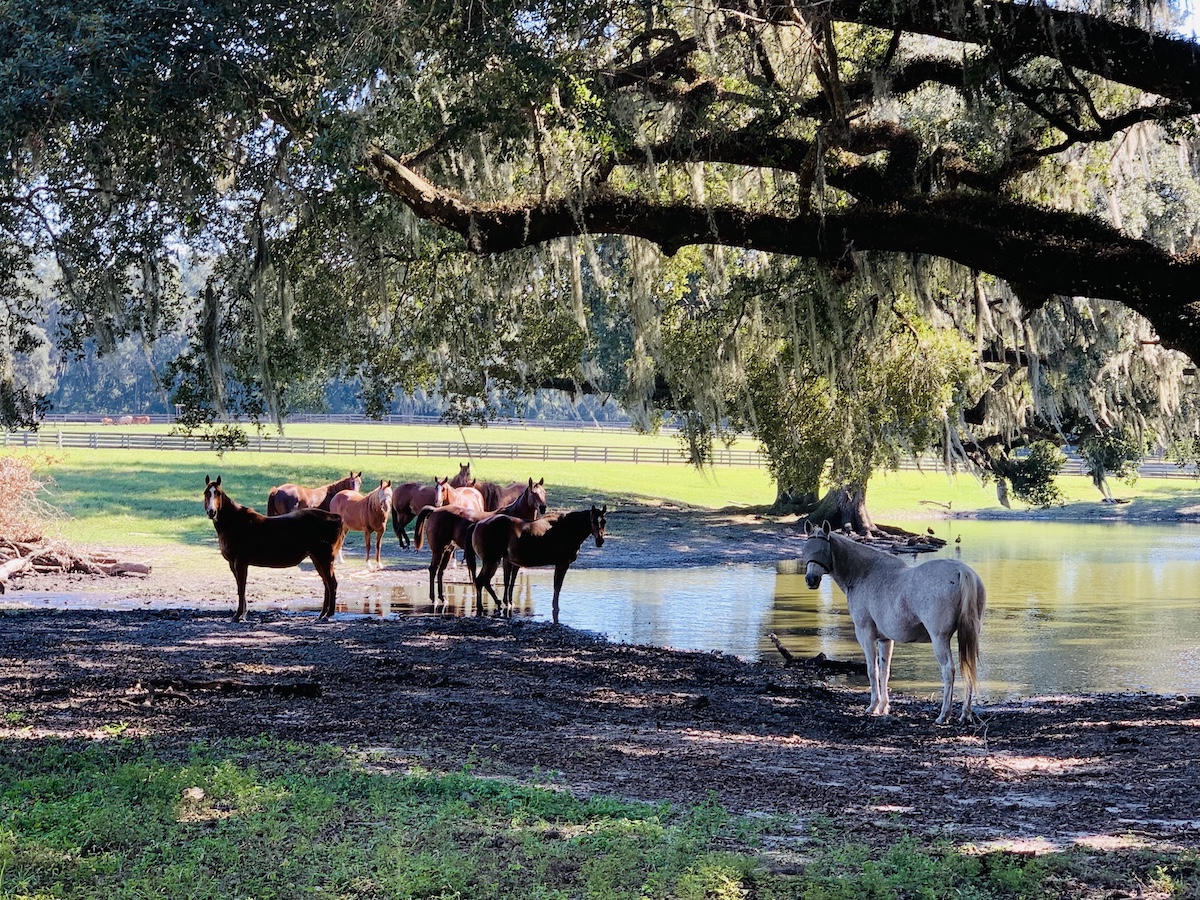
508	528
495	526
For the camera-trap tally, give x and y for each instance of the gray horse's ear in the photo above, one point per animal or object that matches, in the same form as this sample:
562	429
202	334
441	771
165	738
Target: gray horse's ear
825	528
808	528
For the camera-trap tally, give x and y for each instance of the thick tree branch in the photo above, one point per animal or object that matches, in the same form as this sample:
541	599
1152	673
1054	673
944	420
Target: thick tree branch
1039	252
1160	64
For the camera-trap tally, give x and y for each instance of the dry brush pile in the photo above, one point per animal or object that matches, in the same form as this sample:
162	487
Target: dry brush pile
26	548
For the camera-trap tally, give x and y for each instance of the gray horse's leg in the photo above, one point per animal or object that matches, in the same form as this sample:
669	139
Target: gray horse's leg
945	658
867	637
884	647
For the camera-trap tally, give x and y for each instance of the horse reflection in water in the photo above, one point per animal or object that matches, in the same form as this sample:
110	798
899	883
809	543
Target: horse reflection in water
891	601
410	600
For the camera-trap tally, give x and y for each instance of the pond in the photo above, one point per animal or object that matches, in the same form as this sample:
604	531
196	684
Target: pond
1072	608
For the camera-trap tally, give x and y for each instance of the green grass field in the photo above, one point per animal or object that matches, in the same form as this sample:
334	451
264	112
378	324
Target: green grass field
152	498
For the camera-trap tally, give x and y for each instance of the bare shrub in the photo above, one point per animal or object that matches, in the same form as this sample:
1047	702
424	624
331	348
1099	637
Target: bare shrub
24	515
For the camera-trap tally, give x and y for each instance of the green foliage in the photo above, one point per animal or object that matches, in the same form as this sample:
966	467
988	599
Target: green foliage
1032	475
1117	453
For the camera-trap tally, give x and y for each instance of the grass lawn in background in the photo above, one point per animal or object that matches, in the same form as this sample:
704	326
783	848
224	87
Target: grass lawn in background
153	498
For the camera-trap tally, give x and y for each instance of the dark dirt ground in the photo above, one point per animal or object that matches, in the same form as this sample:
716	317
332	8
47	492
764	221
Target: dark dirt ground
551	705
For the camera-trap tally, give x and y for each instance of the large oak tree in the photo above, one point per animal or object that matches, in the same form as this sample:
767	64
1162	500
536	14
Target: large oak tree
707	206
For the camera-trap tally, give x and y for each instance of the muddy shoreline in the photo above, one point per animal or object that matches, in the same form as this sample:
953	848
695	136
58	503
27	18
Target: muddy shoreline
551	705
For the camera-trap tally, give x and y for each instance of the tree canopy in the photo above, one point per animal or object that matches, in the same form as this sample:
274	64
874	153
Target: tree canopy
942	224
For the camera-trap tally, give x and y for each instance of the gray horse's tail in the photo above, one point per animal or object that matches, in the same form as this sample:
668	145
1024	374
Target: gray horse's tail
972	598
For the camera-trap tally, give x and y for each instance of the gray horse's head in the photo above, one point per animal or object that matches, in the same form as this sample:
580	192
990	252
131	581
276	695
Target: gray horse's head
818	554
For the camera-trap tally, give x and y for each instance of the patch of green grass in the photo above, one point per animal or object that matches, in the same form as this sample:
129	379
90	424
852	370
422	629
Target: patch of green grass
147	498
274	819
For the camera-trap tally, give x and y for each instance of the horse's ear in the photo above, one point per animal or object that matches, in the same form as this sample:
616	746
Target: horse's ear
218	481
531	481
826	528
604	509
808	528
207	481
541	480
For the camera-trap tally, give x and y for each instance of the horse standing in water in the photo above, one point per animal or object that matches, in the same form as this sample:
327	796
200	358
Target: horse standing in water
447	527
248	538
409	498
368	514
890	601
552	541
286	497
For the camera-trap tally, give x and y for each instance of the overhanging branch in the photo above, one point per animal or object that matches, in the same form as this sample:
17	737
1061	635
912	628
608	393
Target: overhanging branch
1040	252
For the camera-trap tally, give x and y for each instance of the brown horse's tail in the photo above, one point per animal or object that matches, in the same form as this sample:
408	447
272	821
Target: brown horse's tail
275	503
419	526
972	598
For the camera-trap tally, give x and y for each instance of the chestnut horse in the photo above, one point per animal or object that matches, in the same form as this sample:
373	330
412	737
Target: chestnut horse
286	497
447	494
411	497
447	527
368	514
248	538
552	541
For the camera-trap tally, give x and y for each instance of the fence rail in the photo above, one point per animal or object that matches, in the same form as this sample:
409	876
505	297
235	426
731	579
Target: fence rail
1154	466
132	440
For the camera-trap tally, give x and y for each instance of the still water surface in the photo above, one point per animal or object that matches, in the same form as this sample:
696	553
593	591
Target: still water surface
1071	608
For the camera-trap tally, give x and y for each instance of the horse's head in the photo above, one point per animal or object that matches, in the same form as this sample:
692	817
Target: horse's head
535	497
818	554
441	491
385	497
463	478
356	481
214	497
599	521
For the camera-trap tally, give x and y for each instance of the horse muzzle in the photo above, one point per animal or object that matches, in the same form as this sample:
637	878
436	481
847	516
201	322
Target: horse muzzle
812	575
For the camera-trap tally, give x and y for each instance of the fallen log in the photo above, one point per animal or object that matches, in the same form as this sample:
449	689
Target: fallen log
12	568
820	662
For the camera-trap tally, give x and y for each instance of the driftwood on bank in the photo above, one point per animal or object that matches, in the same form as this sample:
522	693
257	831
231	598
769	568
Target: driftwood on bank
820	662
40	556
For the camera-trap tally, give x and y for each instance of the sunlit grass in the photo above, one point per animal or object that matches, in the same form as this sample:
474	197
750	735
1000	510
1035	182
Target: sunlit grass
150	498
266	818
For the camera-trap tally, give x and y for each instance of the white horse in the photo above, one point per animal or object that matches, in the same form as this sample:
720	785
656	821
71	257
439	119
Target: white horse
890	601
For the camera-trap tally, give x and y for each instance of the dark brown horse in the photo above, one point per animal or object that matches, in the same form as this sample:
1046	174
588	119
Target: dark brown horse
409	498
366	513
496	497
552	541
248	538
447	527
286	497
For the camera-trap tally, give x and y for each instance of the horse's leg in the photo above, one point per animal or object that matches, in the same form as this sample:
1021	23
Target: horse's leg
884	647
400	521
324	568
433	574
483	581
867	636
443	561
945	658
511	570
378	535
240	570
560	572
